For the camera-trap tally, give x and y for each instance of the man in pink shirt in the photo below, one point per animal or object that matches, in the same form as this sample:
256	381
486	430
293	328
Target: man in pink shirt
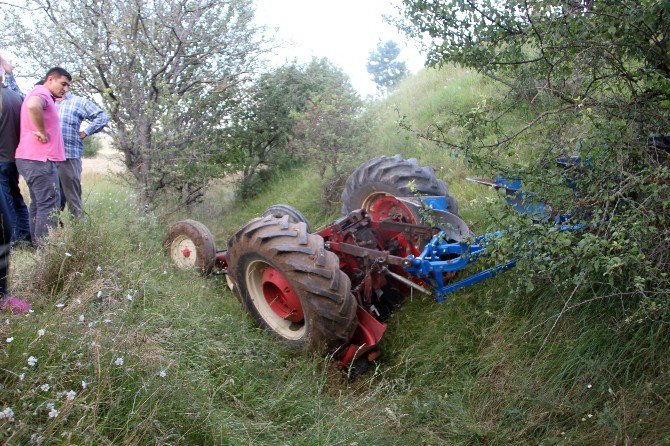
40	148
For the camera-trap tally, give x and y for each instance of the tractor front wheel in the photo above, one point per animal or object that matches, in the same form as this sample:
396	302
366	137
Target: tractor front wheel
190	245
290	284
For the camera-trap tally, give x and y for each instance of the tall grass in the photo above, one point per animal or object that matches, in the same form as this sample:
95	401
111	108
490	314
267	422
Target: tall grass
134	352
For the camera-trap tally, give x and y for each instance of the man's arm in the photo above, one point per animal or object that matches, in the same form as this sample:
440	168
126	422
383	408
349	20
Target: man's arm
96	116
11	82
12	85
36	114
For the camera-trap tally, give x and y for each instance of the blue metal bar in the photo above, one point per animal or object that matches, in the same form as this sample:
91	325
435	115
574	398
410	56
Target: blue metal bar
429	266
471	280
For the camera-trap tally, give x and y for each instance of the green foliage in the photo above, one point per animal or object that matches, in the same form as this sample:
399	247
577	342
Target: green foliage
261	126
384	67
268	130
92	145
331	133
585	78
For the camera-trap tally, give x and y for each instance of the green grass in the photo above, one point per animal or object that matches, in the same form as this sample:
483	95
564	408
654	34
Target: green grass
473	370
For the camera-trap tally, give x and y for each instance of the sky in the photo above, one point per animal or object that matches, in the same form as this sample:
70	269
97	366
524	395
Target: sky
344	31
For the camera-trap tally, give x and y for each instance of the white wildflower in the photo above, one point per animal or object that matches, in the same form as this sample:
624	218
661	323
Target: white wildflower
164	271
32	361
589	386
60	305
45	387
84	384
21	376
94	344
590	415
53	413
7	413
81	318
107	321
118	361
71	394
162	374
78	301
99	269
67	254
129	297
9	340
99	294
90	324
41	332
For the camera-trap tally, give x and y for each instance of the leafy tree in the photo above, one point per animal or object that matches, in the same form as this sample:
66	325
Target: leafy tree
384	67
332	133
166	72
587	78
263	131
261	126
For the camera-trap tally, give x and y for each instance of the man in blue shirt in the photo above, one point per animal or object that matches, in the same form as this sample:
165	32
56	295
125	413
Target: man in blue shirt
73	110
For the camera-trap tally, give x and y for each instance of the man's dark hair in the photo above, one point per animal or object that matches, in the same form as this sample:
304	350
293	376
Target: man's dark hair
58	71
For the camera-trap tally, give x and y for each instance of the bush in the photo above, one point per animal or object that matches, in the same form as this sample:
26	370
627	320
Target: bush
569	97
92	145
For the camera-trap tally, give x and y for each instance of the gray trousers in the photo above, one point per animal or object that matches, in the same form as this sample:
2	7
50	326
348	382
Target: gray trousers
42	179
69	173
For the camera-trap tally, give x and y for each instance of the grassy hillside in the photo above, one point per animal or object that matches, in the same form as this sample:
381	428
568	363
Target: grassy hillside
134	352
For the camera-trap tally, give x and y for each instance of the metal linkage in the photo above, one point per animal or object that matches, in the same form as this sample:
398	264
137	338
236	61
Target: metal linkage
441	257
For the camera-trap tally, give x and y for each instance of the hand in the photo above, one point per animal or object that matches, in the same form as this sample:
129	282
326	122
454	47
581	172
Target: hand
42	137
82	134
7	66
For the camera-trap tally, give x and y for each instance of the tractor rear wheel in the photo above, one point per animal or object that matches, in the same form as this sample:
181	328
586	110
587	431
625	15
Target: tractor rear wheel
290	284
383	176
190	245
294	215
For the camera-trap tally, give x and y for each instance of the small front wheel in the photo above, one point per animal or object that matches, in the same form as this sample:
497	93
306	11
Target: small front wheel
190	245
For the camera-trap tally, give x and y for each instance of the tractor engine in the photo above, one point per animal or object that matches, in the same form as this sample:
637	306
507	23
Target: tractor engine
373	248
365	246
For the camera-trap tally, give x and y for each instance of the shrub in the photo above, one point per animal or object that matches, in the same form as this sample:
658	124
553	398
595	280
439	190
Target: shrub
92	145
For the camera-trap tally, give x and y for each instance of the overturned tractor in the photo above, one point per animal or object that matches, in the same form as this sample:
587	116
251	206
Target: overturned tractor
336	286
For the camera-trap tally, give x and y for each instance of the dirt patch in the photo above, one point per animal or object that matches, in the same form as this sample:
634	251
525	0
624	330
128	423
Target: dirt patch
106	161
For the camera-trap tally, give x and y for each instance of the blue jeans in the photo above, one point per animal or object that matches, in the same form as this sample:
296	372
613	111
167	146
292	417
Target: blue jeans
18	211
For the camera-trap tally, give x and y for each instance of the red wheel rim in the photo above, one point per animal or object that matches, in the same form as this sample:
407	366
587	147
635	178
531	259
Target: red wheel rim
381	206
280	296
